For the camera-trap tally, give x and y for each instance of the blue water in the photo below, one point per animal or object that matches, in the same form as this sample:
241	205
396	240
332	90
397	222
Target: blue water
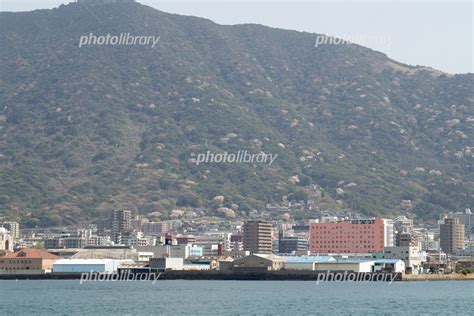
52	297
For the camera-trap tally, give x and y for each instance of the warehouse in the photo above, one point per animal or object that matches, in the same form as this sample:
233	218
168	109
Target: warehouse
305	262
87	265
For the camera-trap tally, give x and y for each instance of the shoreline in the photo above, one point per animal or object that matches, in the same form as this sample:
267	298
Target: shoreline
264	276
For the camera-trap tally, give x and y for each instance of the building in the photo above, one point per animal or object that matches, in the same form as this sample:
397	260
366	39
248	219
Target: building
411	256
405	239
466	218
348	236
174	251
157	228
215	243
185	240
236	243
389	232
291	244
305	262
107	252
121	224
402	224
65	241
451	235
164	264
137	239
6	240
26	261
13	228
201	263
259	262
361	265
257	237
87	265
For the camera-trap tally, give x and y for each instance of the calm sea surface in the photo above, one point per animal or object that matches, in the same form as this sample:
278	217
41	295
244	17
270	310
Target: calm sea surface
52	297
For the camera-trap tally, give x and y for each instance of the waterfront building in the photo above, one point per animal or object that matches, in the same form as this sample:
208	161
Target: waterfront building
164	263
411	256
26	261
305	262
257	237
259	262
348	236
87	265
451	234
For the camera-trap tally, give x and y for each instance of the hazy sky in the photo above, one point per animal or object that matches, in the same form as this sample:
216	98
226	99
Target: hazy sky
438	34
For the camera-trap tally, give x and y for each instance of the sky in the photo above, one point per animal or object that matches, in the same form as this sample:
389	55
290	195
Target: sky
437	34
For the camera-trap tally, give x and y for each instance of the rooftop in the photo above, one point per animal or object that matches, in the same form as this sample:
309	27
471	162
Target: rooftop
28	253
308	259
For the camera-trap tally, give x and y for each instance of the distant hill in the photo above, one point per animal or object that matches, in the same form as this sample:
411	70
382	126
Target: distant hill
100	127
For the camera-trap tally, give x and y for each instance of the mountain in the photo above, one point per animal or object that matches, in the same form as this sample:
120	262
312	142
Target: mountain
88	129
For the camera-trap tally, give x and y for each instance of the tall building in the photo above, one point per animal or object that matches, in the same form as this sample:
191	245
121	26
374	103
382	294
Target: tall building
121	224
451	235
389	232
348	236
14	229
257	237
467	219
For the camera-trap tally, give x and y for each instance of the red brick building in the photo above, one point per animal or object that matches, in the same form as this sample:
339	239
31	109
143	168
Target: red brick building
26	261
348	236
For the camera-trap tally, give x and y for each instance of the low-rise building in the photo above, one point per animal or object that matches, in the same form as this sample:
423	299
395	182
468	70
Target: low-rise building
259	262
87	265
164	264
305	262
173	251
26	261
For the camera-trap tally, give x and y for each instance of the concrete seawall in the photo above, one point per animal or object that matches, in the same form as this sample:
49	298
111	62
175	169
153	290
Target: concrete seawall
267	276
336	276
439	277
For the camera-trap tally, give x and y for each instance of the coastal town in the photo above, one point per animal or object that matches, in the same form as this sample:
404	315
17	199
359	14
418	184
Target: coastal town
201	248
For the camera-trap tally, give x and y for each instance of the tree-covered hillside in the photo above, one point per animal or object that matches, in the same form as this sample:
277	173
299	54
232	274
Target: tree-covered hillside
84	130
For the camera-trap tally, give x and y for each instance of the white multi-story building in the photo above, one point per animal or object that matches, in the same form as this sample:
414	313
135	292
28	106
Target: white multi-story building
412	256
388	232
